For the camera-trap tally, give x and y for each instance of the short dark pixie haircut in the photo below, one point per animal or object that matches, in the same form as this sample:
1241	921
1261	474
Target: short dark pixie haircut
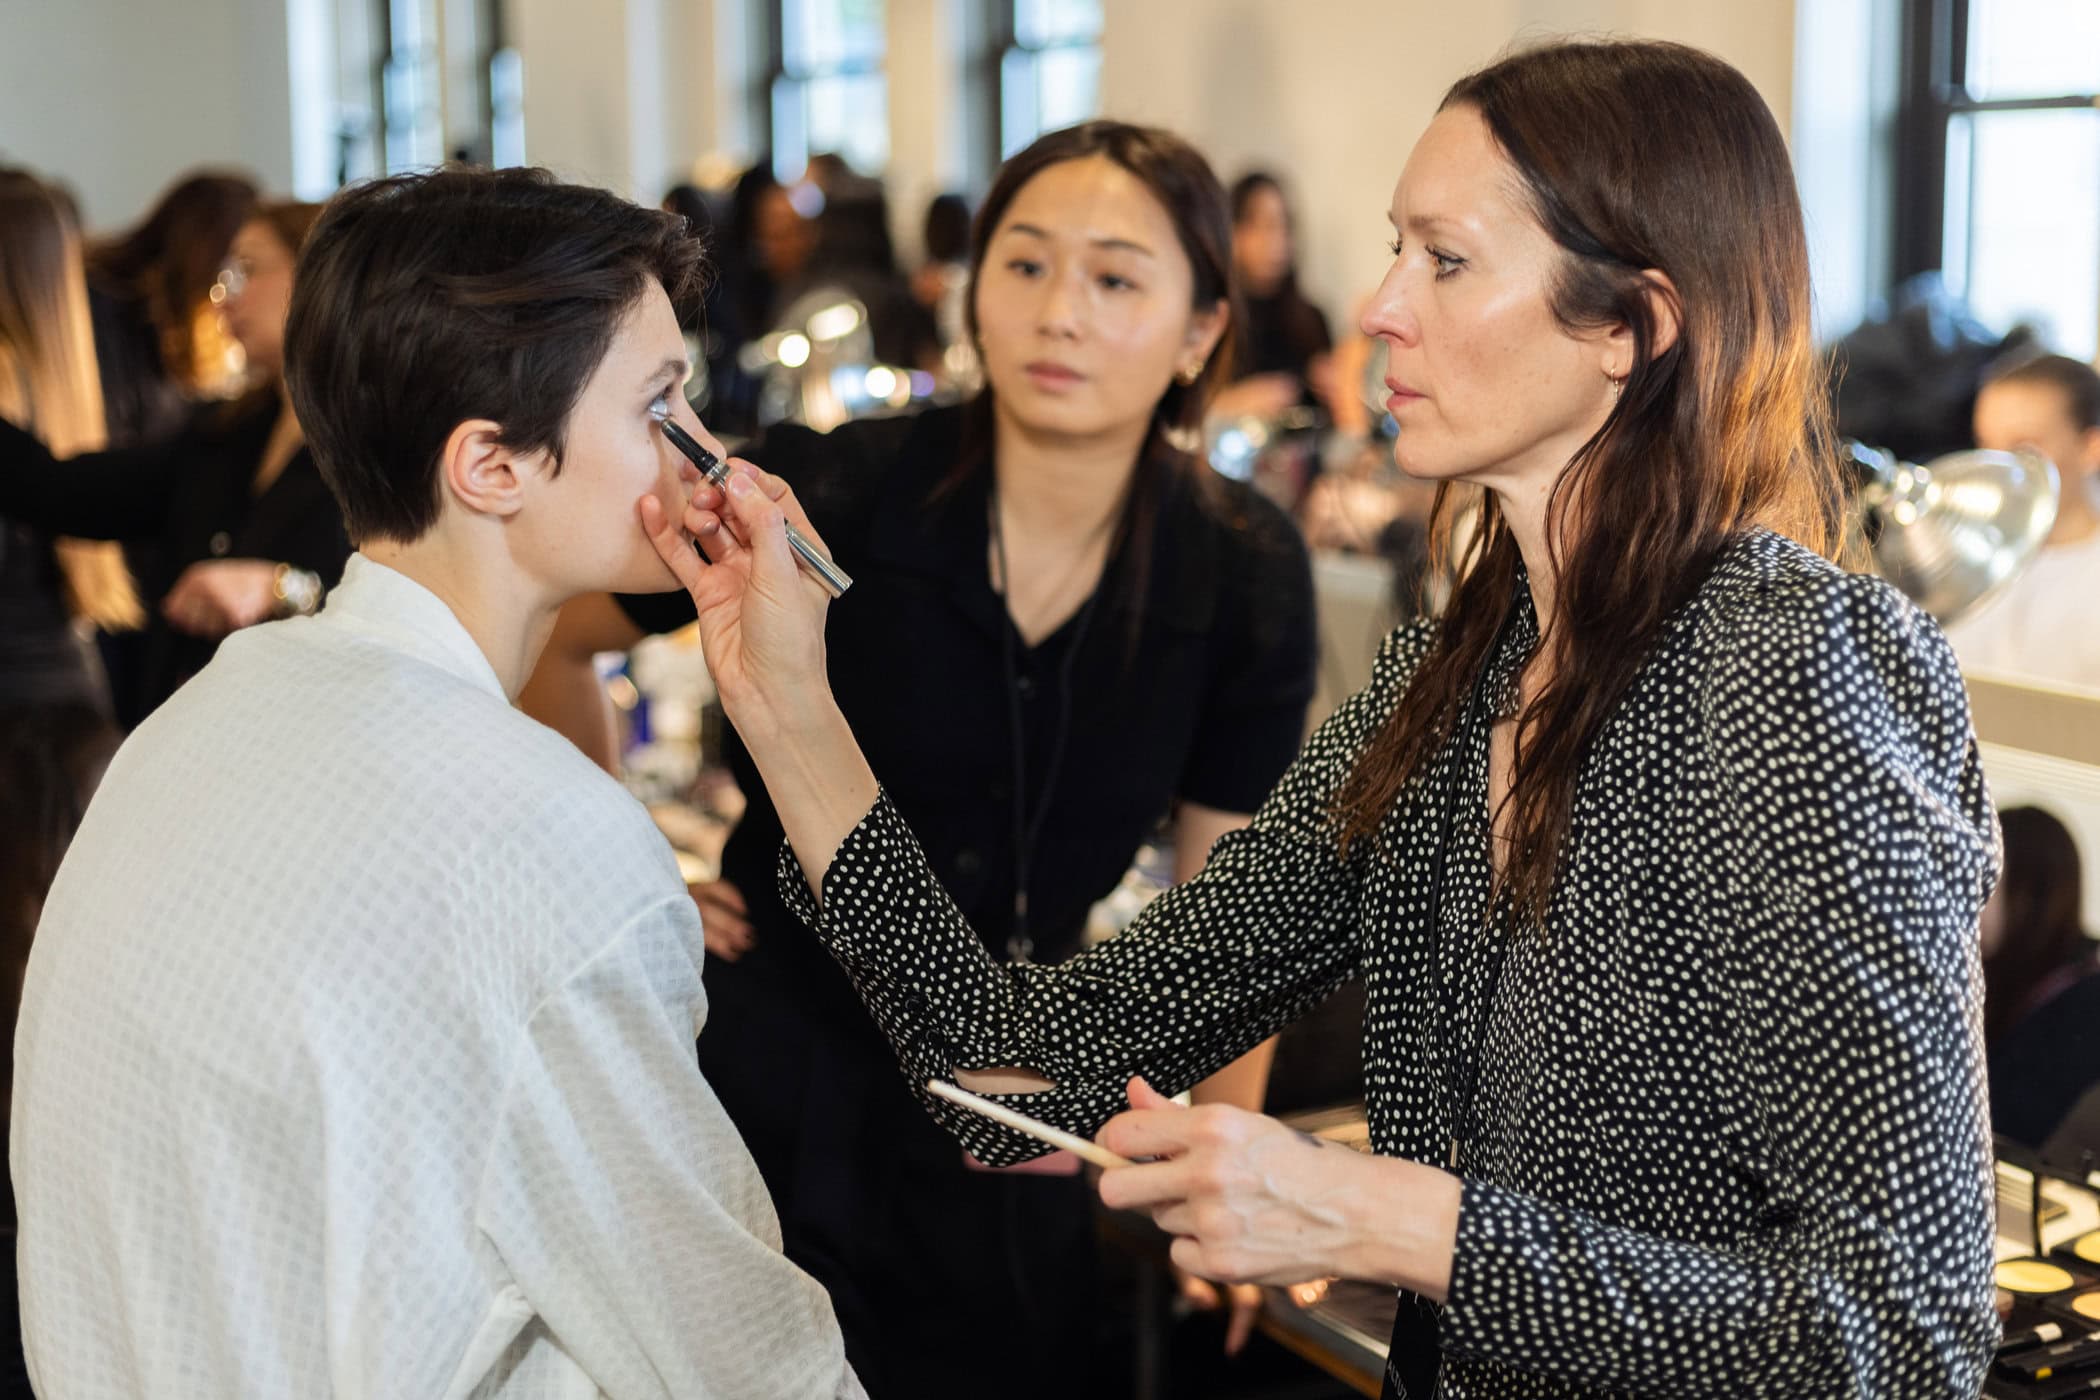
421	301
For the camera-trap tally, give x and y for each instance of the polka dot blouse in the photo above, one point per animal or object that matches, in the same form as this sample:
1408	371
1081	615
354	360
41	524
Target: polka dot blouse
1728	1135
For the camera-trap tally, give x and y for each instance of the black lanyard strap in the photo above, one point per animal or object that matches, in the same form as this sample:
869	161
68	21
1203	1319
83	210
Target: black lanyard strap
1028	829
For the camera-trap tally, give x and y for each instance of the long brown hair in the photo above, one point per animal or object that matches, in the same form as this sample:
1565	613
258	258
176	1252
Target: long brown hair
168	261
1634	156
1177	175
2040	893
50	383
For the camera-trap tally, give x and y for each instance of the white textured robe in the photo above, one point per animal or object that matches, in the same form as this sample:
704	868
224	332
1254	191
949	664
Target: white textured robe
356	1057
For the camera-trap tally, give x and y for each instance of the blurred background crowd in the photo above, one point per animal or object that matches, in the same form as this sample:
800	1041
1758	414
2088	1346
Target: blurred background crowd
160	166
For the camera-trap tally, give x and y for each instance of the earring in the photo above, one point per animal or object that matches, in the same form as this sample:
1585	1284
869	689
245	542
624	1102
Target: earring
1189	374
1618	386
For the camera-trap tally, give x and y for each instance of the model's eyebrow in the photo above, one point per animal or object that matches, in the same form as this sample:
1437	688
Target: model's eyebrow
1429	223
1115	244
670	371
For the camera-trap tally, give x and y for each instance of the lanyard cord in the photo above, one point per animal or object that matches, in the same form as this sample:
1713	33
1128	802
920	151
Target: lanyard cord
1027	830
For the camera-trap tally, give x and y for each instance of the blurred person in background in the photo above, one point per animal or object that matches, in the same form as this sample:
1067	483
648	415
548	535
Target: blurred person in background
2040	627
55	731
854	254
942	283
49	389
2041	1002
1283	359
162	347
241	527
772	239
1062	627
157	335
713	333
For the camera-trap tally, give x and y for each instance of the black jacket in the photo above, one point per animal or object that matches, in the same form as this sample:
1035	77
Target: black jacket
191	498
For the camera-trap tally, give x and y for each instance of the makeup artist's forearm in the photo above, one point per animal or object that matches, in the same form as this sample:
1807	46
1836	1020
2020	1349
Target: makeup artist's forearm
819	780
1405	1219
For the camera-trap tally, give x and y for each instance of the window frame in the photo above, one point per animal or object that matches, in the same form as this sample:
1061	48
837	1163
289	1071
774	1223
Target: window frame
1933	93
774	73
1003	43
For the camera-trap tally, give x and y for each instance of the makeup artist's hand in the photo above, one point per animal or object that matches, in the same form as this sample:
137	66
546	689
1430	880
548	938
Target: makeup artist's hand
1250	1200
761	616
762	627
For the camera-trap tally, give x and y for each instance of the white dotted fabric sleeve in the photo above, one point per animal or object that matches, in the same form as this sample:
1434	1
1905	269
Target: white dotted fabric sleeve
1864	849
1208	971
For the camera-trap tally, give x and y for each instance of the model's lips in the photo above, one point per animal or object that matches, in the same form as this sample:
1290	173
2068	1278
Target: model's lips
1050	373
1399	396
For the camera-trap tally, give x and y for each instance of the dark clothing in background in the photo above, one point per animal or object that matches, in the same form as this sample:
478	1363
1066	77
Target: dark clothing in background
142	405
43	660
141	402
1284	334
189	499
1907	379
2046	1062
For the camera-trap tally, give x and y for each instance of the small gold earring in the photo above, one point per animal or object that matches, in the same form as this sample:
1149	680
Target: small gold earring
1190	374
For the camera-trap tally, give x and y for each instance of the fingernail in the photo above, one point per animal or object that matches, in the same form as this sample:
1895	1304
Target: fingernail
741	485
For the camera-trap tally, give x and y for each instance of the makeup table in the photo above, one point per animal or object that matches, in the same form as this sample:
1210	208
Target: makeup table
2048	1251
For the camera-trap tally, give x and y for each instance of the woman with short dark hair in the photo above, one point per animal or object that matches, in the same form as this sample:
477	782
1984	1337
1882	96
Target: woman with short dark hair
356	1049
1660	851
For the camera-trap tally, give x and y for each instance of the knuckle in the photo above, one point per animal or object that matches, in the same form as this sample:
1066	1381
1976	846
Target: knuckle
1211	1176
1213	1222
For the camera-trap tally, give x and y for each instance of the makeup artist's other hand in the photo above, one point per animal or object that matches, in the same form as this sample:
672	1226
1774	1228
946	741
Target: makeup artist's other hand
1244	1300
761	616
725	923
1249	1200
216	596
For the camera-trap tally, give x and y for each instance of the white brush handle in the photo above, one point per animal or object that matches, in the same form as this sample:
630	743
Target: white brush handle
1021	1123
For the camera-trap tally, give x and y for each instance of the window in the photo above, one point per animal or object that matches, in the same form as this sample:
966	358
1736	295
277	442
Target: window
1999	181
412	116
410	92
1049	70
827	92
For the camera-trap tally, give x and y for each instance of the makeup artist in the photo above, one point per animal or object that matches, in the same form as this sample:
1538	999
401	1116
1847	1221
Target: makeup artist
1661	854
240	524
1062	627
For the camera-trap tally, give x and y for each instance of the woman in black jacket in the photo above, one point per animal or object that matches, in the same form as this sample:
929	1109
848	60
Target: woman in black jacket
241	527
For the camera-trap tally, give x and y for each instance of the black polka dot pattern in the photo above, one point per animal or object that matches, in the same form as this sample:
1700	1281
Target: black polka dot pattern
1730	1131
